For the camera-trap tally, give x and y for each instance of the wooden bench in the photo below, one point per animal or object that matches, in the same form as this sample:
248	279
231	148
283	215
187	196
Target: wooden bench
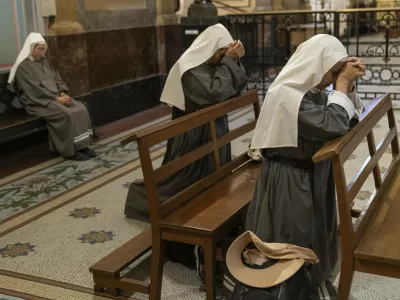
16	124
371	245
19	124
202	214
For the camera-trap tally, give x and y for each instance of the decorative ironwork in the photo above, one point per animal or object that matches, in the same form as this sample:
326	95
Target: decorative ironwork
270	40
381	75
379	50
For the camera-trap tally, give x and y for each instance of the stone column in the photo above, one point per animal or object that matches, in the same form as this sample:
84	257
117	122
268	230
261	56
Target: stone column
263	5
166	13
68	48
292	5
185	4
268	5
66	21
165	21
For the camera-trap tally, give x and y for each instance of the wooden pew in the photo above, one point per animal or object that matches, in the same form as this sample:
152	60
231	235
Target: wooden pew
16	123
371	245
202	214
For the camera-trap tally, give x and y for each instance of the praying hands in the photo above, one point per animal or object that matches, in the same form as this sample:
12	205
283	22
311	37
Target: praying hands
351	71
64	99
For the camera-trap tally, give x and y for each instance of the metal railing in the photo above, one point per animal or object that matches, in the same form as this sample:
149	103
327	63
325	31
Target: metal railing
372	34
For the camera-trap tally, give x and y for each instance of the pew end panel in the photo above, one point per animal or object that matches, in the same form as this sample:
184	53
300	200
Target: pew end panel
367	242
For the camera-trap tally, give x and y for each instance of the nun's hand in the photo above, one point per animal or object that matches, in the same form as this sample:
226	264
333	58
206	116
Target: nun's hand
64	100
351	73
67	99
347	76
357	63
235	50
240	49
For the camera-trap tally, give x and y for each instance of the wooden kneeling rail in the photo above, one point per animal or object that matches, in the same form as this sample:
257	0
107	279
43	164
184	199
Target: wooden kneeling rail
371	245
202	214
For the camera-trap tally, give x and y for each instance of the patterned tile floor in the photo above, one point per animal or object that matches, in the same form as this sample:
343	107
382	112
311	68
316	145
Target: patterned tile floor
40	186
51	182
5	297
92	227
65	242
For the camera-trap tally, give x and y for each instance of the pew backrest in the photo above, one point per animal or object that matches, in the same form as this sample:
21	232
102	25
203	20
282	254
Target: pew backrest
339	151
150	137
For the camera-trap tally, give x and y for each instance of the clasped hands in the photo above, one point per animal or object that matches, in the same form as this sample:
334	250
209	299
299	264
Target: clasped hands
64	99
353	69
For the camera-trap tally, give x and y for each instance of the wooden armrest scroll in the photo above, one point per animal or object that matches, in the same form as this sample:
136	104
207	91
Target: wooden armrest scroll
373	112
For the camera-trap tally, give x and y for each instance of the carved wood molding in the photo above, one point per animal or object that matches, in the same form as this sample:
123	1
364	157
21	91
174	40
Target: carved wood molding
114	5
237	3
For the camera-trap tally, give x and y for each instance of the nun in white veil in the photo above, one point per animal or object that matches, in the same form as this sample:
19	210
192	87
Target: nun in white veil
45	95
207	73
294	200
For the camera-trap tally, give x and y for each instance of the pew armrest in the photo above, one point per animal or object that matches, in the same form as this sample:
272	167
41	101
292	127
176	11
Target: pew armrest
369	118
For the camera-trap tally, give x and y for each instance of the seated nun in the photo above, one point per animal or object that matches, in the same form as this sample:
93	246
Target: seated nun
45	95
294	200
208	73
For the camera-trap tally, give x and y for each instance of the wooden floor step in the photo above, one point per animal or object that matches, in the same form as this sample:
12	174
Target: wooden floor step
119	259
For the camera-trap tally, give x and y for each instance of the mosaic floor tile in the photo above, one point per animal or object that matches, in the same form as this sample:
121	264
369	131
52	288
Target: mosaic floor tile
5	297
85	212
16	250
